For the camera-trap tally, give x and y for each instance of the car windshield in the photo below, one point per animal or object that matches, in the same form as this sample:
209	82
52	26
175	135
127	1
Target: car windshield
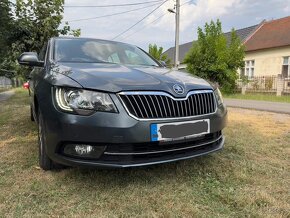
99	51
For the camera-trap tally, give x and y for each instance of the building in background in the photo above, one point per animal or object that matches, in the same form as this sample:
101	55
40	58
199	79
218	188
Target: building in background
267	48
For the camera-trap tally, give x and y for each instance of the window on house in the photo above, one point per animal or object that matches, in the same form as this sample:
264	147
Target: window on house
286	67
249	69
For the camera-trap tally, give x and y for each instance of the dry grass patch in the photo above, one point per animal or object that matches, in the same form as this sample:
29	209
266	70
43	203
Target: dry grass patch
250	177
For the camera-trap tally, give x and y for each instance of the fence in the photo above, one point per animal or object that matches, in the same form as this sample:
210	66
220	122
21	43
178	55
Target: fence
5	82
276	85
9	83
286	86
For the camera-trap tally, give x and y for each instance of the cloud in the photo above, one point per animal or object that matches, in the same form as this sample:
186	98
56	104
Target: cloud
200	10
232	13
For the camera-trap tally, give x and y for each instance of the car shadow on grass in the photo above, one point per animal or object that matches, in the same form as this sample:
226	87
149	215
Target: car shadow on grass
162	173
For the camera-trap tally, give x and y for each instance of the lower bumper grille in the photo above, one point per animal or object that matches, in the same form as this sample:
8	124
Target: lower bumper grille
156	151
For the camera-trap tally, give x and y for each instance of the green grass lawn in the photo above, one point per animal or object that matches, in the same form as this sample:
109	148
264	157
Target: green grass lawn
249	178
260	97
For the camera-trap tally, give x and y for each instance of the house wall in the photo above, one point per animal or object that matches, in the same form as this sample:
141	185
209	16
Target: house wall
268	62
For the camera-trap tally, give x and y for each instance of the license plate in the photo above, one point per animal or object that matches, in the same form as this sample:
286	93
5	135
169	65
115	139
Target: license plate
179	130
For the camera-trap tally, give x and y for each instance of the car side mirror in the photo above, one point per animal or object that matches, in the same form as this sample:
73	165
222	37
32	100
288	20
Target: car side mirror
163	63
30	59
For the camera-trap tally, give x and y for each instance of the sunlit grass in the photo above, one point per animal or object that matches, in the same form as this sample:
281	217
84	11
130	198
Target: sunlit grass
261	97
250	177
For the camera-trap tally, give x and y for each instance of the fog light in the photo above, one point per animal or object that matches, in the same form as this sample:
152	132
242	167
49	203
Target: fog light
83	150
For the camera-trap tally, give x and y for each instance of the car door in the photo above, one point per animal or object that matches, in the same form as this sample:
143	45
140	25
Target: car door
36	76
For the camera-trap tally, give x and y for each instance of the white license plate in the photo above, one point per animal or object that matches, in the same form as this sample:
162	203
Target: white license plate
179	130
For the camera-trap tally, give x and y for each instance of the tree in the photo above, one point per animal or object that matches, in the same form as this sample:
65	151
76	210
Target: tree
157	53
213	58
5	26
35	22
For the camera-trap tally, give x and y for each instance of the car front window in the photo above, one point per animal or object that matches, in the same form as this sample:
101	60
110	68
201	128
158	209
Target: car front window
99	51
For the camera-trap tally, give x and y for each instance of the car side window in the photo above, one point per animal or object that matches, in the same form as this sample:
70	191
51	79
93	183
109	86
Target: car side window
114	58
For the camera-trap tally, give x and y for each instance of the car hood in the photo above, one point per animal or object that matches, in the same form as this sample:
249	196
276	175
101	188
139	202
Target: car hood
116	78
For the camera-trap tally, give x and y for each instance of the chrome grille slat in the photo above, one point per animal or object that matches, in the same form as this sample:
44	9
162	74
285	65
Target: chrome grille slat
131	104
139	109
189	107
185	107
160	105
199	104
165	108
212	101
177	106
170	114
156	98
145	96
172	104
208	102
192	104
143	105
195	105
202	102
181	108
153	105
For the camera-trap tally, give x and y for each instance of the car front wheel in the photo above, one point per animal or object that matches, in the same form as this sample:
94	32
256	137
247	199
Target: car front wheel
44	161
31	114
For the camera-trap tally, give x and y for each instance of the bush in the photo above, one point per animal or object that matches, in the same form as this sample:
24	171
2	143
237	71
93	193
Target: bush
214	58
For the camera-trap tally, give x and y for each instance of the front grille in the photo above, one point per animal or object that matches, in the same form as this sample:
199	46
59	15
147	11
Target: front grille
156	105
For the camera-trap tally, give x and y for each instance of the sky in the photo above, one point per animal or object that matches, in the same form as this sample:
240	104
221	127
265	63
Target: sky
232	13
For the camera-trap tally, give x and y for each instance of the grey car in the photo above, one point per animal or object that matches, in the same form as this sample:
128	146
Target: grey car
102	103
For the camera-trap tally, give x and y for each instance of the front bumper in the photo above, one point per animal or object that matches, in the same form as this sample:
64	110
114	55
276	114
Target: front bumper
128	141
137	159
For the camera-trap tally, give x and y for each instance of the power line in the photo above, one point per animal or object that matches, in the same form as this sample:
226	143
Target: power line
187	3
128	36
110	15
107	6
158	18
140	20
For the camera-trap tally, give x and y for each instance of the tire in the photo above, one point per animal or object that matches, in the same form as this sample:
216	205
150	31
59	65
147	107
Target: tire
44	161
31	114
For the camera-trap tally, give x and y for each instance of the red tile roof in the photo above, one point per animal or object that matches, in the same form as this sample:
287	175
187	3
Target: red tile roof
271	34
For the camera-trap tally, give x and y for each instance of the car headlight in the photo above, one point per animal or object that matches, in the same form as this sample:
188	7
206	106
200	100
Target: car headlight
218	96
83	102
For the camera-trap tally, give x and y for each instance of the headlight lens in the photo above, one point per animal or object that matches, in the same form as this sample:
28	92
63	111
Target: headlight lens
219	96
83	102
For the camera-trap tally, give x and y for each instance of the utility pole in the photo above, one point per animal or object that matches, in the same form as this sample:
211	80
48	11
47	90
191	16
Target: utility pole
177	21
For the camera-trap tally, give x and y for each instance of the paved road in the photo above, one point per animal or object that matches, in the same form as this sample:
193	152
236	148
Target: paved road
276	107
5	95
